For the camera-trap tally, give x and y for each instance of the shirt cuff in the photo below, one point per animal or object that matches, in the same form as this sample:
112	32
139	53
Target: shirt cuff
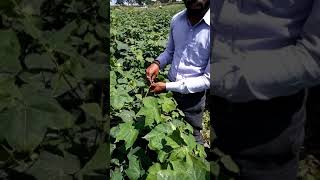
174	86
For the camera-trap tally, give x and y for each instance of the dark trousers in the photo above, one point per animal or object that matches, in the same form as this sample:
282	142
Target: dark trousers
192	105
262	137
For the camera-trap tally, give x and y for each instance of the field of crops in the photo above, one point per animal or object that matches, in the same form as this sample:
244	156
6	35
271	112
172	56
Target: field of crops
150	139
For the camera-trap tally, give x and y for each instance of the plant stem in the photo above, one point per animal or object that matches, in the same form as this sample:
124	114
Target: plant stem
147	91
54	60
11	155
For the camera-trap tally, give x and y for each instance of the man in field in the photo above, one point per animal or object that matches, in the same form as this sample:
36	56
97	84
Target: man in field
188	51
265	53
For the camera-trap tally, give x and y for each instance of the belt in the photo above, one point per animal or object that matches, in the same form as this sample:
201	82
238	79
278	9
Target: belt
180	95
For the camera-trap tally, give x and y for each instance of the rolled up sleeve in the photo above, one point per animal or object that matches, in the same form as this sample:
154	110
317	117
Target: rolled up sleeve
191	84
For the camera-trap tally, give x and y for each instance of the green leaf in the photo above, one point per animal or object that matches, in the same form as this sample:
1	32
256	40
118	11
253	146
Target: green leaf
155	142
159	135
116	175
101	31
30	117
95	71
93	110
9	52
176	136
90	71
8	91
168	105
30	28
58	168
179	165
134	151
103	10
97	162
171	143
122	81
118	98
189	140
31	7
153	170
58	39
125	131
91	40
62	84
172	175
162	156
126	115
188	127
192	169
179	153
39	61
150	110
149	59
113	78
166	128
198	168
200	152
214	168
122	46
83	27
134	170
178	123
73	68
38	80
229	164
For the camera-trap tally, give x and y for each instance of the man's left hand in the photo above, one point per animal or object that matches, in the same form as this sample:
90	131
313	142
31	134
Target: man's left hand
158	87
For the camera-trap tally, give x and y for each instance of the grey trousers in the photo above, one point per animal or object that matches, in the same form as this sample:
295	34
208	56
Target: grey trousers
262	137
192	105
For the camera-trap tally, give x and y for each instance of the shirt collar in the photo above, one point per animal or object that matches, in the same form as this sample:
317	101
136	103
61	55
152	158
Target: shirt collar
206	17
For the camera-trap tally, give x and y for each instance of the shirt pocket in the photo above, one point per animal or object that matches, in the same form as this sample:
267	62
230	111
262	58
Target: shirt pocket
198	54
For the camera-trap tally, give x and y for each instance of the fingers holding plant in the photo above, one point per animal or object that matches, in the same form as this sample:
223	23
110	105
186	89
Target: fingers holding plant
152	72
158	87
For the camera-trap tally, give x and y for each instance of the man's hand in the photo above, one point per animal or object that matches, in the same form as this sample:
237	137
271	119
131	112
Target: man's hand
152	72
158	87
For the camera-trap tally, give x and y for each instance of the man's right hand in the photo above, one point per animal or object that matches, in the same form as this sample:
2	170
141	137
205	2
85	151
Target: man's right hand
152	72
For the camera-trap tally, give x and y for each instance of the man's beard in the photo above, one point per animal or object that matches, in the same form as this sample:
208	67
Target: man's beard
197	11
194	12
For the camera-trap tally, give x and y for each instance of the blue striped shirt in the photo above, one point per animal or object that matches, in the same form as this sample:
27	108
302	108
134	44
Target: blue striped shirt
188	52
